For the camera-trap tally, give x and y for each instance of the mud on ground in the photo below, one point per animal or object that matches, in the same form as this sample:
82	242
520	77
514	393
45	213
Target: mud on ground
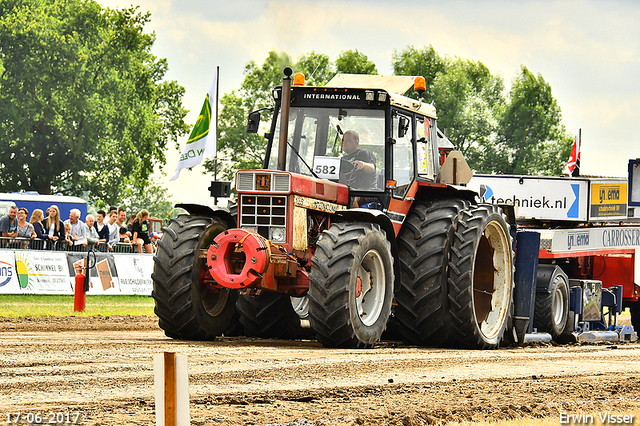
102	367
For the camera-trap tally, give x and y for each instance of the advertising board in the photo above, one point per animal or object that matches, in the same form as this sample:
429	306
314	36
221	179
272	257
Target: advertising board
536	198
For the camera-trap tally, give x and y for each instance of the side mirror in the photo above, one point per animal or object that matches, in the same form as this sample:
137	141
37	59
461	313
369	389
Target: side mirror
403	126
254	122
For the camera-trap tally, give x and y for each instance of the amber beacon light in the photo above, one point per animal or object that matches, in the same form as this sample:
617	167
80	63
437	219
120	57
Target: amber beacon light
298	79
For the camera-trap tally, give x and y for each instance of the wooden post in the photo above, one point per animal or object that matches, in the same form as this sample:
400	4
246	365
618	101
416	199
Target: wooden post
170	395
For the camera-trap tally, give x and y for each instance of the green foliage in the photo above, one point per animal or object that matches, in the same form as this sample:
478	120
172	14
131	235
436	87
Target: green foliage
84	105
424	62
354	62
521	133
316	67
531	135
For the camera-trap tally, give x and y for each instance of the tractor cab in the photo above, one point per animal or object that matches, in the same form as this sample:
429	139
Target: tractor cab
395	134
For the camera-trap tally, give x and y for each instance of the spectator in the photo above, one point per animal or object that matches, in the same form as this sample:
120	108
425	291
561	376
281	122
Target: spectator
67	233
113	229
53	225
25	229
141	232
132	219
123	236
78	230
9	225
91	232
36	220
154	241
122	217
101	227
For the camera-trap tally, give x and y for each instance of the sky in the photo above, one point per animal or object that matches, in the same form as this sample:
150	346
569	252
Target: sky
588	51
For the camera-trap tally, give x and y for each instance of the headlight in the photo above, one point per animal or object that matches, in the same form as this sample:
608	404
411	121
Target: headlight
278	235
251	228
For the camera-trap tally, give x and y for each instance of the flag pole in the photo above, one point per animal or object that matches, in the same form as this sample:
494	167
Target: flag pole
215	159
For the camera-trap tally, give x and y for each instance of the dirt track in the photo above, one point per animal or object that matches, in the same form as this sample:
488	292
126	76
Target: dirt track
103	368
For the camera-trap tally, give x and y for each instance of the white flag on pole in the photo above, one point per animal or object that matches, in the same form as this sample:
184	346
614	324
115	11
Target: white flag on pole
203	138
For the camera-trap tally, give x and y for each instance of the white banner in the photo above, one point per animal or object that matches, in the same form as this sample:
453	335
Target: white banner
134	273
42	272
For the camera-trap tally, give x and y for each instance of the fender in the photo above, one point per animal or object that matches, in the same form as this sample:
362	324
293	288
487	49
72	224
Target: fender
202	210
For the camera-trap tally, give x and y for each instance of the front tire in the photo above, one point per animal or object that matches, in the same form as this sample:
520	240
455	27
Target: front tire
480	277
186	308
351	285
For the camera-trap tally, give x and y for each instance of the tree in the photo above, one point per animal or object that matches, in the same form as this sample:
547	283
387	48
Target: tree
424	62
469	100
354	62
531	137
316	67
84	104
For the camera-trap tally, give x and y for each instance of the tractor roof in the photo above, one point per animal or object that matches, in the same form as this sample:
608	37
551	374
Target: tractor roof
395	85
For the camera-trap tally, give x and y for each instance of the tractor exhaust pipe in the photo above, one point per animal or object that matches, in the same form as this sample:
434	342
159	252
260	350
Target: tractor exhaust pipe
284	119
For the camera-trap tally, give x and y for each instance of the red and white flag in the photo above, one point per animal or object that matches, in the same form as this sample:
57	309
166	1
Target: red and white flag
574	159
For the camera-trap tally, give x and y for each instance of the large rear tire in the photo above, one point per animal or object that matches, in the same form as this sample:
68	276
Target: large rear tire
480	277
274	316
423	309
552	306
186	308
351	285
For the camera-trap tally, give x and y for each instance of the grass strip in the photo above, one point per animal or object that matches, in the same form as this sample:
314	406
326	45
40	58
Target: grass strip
36	305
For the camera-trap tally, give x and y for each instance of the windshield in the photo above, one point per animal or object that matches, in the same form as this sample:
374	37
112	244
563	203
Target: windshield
315	140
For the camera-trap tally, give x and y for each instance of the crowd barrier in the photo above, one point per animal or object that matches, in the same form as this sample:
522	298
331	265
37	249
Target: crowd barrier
33	271
39	244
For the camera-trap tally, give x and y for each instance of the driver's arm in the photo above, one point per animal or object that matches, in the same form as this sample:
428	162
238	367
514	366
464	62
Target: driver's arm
368	168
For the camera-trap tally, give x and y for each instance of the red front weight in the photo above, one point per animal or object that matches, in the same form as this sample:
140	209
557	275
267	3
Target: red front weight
223	258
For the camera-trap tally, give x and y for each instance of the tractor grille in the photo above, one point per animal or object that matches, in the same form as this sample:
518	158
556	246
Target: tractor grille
278	182
264	214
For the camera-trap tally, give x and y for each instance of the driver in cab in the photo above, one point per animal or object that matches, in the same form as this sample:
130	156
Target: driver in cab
363	174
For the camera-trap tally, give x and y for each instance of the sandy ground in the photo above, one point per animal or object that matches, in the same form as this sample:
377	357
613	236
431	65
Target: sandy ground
102	368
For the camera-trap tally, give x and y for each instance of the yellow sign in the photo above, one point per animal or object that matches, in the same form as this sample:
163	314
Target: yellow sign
608	199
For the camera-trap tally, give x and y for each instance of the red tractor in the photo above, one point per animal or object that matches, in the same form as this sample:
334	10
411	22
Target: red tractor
341	238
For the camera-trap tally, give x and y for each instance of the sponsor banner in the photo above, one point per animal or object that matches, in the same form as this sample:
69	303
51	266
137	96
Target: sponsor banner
535	198
48	272
42	272
103	277
9	282
590	239
608	200
134	273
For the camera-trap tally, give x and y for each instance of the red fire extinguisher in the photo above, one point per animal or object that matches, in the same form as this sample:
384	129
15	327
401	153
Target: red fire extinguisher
80	297
82	284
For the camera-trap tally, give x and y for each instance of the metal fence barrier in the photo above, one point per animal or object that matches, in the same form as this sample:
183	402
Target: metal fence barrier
39	244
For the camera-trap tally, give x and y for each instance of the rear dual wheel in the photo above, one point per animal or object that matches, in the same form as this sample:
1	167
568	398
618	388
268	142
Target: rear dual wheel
480	280
274	315
424	244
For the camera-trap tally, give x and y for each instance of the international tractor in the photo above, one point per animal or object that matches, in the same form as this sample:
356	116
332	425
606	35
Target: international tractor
345	244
